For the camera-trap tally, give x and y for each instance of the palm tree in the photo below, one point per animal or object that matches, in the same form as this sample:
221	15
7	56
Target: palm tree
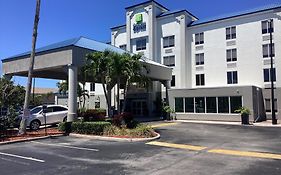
82	94
30	71
98	66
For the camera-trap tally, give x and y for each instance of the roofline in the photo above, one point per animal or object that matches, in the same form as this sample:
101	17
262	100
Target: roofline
132	6
36	53
235	16
159	16
116	27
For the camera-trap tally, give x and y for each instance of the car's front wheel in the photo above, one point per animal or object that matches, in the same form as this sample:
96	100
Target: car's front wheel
34	125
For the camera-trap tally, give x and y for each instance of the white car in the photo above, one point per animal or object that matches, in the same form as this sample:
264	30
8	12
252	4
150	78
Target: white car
54	114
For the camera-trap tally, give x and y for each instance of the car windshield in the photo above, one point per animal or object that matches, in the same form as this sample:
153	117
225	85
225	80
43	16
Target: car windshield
35	110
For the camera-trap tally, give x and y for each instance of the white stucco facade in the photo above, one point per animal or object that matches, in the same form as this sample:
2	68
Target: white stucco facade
183	26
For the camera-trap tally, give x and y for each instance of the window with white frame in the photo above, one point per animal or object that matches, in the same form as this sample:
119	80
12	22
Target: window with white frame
231	55
232	77
199	59
267	75
168	41
141	44
200	80
169	60
173	82
230	32
92	87
265	26
199	38
266	50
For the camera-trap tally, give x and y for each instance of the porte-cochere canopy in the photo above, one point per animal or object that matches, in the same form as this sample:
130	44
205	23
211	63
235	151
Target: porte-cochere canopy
61	61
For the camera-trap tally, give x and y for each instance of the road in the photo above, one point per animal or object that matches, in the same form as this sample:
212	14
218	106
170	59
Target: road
184	148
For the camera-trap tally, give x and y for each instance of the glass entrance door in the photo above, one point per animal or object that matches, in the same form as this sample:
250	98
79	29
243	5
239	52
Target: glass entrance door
139	107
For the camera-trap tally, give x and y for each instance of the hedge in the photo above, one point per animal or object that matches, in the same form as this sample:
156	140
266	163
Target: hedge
95	128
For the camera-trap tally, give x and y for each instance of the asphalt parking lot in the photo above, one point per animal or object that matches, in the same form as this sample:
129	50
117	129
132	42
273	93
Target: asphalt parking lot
183	148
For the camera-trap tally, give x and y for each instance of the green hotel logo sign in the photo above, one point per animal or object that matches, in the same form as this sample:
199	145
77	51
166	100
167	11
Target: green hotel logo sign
138	18
139	26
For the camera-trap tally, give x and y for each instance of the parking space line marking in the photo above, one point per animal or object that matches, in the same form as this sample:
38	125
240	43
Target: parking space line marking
22	157
163	124
65	146
179	146
246	153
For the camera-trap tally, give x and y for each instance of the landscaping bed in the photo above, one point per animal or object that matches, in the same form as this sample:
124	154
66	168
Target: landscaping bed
12	134
110	130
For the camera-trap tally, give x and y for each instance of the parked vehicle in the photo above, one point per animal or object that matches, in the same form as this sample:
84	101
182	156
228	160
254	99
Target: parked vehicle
54	115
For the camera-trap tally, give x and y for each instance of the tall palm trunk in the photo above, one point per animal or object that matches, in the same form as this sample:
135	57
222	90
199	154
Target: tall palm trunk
125	95
30	70
106	97
118	95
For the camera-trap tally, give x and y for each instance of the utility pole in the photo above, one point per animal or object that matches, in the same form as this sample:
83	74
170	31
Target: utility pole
274	120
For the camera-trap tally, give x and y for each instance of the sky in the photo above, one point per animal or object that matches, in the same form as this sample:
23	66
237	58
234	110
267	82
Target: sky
64	19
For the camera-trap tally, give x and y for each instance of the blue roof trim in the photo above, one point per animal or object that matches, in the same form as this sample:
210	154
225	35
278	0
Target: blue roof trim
81	42
237	14
174	12
146	2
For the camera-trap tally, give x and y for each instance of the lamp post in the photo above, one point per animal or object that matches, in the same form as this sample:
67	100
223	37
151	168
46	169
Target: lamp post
274	120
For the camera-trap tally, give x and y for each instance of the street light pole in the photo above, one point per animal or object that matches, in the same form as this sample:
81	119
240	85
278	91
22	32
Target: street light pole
274	120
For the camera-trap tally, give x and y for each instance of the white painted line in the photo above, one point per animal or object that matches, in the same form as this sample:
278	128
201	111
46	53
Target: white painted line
22	157
65	146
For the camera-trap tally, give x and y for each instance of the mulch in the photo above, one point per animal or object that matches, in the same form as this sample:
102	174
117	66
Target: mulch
12	134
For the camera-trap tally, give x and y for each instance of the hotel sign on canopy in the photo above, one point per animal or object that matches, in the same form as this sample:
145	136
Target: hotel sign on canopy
139	26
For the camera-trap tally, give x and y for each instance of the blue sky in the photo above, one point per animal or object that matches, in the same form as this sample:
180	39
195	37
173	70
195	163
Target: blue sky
64	19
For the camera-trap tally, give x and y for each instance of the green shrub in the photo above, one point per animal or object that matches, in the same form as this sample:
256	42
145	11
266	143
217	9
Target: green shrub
92	114
95	128
142	130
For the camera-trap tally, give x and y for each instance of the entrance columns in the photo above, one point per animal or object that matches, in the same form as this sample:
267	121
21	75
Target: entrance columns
72	93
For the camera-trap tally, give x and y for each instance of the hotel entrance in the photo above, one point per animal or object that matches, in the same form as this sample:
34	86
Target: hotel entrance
139	108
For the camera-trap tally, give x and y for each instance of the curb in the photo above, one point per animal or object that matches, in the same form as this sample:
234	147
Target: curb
227	123
104	138
30	139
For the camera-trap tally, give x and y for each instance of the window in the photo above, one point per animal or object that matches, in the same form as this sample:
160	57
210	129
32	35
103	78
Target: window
124	47
141	44
267	75
179	104
199	104
35	110
169	60
189	105
169	41
268	105
232	77
266	28
211	103
231	55
199	38
92	87
199	59
266	50
59	108
200	80
223	105
235	103
230	32
173	82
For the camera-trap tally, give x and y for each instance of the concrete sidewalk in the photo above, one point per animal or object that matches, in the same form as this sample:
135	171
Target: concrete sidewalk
267	123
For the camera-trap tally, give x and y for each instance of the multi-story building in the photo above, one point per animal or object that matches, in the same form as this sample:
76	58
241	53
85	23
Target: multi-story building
218	64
